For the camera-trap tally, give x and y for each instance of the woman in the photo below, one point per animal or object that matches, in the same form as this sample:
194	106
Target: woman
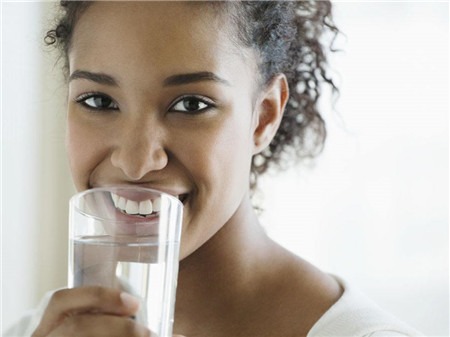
199	99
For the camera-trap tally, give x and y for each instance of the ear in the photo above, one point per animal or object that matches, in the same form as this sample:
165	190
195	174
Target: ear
269	111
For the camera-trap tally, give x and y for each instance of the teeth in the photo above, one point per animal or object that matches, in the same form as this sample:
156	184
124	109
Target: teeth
132	207
144	207
157	204
115	198
122	203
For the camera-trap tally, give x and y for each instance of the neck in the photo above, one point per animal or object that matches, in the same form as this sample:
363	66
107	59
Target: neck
219	276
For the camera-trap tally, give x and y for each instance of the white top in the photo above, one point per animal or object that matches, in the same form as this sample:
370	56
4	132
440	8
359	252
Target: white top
356	315
353	315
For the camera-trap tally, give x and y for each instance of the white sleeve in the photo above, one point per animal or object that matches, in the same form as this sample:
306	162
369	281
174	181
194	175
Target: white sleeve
386	334
26	325
19	329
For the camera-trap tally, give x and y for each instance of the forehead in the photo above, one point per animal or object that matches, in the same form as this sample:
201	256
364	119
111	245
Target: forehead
160	37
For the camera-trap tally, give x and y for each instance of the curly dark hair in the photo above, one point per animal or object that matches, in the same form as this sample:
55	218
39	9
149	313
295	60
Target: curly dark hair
287	36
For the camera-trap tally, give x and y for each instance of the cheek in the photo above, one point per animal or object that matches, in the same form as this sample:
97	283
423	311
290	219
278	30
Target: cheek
220	160
218	163
84	151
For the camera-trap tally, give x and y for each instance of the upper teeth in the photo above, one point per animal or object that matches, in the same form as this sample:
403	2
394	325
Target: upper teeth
144	207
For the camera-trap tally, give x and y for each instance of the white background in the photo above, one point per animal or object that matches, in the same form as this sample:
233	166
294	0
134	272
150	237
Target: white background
373	210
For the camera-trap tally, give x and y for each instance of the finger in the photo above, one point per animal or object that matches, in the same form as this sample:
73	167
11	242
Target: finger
99	325
68	302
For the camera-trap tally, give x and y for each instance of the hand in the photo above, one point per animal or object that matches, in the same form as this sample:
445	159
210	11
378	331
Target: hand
91	311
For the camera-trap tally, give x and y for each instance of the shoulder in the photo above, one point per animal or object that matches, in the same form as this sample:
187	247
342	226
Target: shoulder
356	315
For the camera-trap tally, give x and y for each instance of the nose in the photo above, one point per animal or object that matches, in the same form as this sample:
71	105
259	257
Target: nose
139	149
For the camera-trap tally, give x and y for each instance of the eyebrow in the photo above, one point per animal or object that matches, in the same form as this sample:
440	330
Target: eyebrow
169	81
194	77
95	77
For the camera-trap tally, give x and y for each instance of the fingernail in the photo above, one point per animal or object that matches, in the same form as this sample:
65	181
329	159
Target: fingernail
128	300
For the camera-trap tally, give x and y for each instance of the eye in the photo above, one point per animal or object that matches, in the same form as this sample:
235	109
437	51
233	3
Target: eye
97	101
192	104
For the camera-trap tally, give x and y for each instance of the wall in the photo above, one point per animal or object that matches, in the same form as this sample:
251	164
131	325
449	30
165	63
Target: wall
35	179
374	209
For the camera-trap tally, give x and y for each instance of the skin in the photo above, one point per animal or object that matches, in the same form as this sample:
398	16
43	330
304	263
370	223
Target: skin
233	280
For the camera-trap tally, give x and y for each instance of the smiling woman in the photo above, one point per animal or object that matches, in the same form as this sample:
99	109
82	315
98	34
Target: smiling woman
189	126
187	108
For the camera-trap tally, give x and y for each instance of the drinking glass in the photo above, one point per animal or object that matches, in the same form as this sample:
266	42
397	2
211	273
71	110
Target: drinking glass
128	238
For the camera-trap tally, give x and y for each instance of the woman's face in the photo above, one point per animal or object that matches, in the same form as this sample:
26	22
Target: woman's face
160	97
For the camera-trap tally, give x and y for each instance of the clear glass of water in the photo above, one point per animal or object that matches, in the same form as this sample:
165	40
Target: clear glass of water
128	238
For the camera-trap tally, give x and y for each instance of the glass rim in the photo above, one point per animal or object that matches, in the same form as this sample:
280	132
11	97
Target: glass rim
108	188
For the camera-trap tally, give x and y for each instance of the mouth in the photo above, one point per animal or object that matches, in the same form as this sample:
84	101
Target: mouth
144	208
183	198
